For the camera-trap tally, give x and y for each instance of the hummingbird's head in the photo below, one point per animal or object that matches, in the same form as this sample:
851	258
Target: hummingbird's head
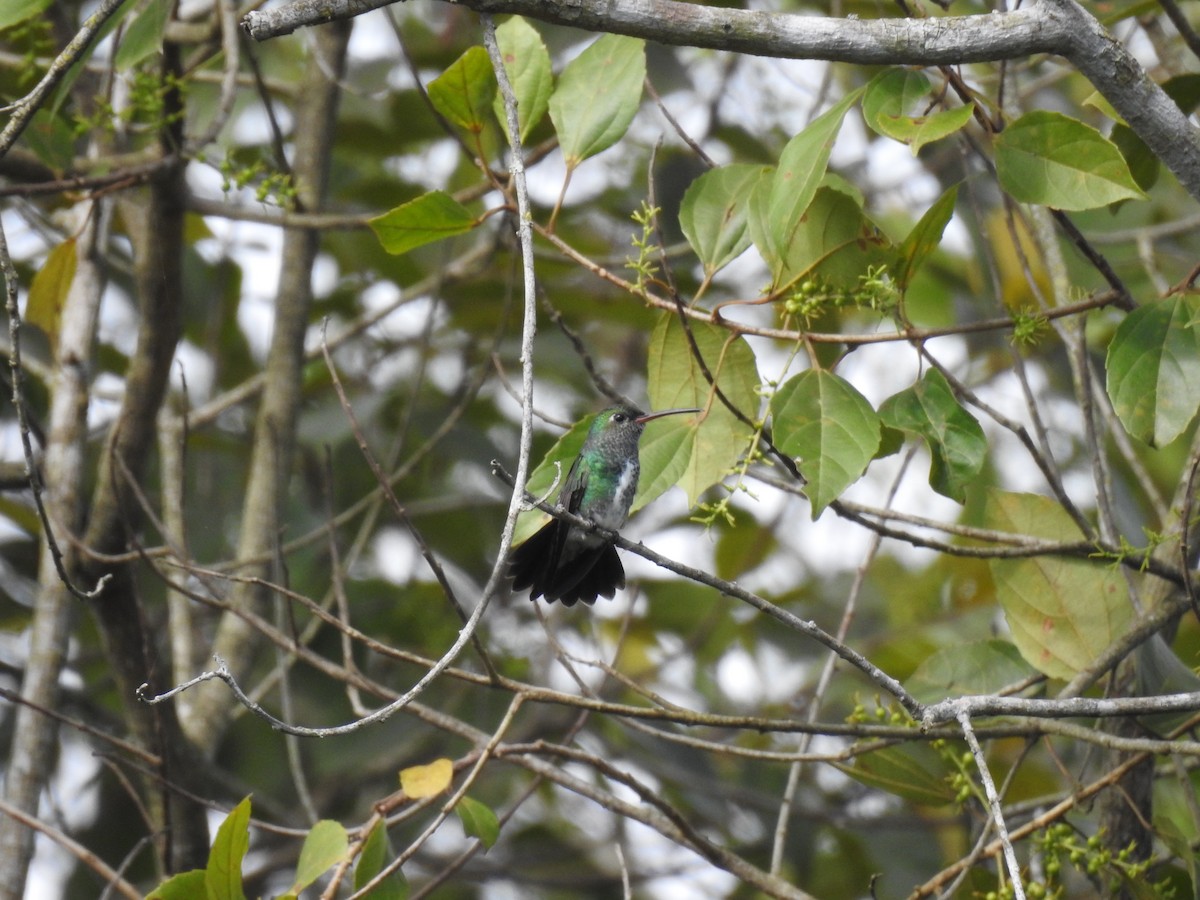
618	423
617	420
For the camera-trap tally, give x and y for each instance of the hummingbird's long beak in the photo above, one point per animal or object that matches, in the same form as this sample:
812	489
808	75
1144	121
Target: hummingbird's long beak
665	412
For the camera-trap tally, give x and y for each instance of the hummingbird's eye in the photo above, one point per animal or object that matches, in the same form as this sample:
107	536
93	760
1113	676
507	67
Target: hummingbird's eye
619	417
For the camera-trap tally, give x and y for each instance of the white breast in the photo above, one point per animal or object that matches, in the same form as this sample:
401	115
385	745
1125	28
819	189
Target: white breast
616	514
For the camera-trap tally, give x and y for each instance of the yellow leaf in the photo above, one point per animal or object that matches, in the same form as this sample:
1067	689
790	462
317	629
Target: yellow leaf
48	291
1015	260
420	782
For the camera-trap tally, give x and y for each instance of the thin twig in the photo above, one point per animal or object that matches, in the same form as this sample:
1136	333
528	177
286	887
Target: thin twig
683	135
401	513
989	787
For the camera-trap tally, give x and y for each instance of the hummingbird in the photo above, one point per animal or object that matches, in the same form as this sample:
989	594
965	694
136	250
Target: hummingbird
563	562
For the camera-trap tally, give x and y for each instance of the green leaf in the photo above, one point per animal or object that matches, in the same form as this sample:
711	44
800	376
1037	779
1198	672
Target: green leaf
924	238
144	36
1143	164
428	218
975	667
478	820
1062	612
834	243
821	419
1184	90
742	547
713	214
464	92
1048	158
914	772
1098	101
223	875
528	66
371	862
49	288
667	451
1174	823
956	440
1154	367
51	139
184	886
890	96
324	847
597	96
21	514
917	131
14	11
836	182
796	179
695	452
758	220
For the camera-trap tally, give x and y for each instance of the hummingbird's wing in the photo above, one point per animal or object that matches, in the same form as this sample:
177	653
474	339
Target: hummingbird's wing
564	567
574	488
554	566
536	563
570	499
590	570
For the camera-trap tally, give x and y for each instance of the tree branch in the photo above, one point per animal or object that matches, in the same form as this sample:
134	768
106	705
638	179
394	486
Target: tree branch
1059	27
948	40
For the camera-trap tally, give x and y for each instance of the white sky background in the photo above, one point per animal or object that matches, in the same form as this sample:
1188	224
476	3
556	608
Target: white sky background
766	95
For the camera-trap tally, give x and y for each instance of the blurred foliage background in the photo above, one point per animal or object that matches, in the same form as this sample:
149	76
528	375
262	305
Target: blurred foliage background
939	337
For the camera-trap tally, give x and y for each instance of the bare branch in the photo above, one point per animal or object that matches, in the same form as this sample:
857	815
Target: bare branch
1068	707
982	38
989	787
